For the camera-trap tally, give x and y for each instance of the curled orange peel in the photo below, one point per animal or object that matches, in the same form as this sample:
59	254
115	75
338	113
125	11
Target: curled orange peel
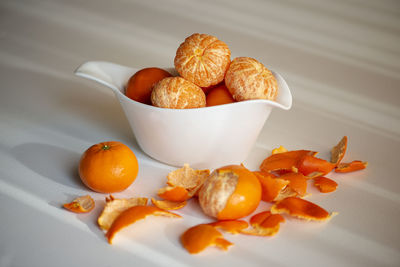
167	204
81	204
230	226
199	237
270	185
325	185
134	214
115	206
264	224
355	165
338	151
173	193
188	178
300	208
284	160
297	182
313	167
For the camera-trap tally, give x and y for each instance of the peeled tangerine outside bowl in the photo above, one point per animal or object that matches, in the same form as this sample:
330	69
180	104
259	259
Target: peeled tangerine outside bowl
206	137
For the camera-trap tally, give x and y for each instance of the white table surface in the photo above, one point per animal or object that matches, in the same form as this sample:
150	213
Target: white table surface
340	58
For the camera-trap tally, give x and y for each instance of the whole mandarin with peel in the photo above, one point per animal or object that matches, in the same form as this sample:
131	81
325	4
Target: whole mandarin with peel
140	85
248	79
202	59
230	193
108	167
177	93
218	96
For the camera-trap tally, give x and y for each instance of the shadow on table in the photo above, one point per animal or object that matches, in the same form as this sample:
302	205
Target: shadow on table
54	163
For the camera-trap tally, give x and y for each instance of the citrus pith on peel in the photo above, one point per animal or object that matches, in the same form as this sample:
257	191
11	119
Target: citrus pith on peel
108	167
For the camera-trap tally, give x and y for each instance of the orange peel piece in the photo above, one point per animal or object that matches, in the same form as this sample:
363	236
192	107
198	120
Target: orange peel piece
173	193
297	182
280	149
81	204
270	186
355	165
134	214
188	178
264	224
199	237
230	226
167	204
338	151
313	167
301	208
325	185
115	206
284	161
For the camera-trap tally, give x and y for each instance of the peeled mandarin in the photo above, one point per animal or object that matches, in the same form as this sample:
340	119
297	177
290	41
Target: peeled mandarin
177	93
230	193
202	59
140	85
218	96
248	79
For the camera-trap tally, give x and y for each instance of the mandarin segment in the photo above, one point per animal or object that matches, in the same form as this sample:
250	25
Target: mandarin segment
177	93
248	79
199	237
202	59
300	208
134	214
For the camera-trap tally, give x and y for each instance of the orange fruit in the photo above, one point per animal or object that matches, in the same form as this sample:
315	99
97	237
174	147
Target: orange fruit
248	79
141	84
230	193
108	167
218	96
177	93
202	59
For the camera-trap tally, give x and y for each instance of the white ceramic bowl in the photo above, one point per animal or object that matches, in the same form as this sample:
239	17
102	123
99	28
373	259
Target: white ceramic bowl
203	137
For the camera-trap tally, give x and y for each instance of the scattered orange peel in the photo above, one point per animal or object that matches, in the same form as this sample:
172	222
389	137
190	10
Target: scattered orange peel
300	208
280	149
313	167
230	226
81	204
199	237
338	151
115	206
325	185
297	182
264	224
173	193
355	165
134	214
270	185
167	204
284	160
188	178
